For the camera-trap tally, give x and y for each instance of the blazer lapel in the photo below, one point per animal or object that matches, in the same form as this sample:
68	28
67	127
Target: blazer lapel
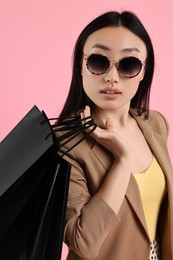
134	198
157	142
156	139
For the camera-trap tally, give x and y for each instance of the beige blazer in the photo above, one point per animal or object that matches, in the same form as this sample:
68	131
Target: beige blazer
92	229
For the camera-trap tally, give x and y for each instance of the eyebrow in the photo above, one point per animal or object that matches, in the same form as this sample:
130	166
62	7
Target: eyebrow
130	50
105	48
100	46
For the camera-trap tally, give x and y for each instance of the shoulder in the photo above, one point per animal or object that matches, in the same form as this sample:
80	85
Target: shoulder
160	120
156	122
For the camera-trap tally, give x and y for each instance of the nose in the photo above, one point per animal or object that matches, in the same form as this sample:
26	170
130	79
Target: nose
112	75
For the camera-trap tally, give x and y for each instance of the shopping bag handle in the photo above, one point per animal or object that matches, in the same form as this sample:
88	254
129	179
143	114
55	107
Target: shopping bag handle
72	127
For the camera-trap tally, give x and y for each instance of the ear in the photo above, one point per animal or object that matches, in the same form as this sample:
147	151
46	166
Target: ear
142	74
81	70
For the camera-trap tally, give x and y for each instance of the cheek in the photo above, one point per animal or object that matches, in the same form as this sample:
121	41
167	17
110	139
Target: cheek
88	81
90	85
87	85
132	87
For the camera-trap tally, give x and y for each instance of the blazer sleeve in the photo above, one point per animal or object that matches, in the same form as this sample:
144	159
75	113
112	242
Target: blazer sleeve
88	217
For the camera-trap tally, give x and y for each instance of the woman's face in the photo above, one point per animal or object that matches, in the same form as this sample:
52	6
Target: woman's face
110	91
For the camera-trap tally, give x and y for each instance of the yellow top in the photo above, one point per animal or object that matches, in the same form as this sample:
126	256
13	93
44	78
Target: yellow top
152	188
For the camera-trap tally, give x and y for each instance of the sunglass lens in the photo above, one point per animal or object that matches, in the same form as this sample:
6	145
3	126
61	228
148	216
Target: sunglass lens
129	67
97	64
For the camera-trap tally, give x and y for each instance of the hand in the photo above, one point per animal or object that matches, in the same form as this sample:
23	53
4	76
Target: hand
110	139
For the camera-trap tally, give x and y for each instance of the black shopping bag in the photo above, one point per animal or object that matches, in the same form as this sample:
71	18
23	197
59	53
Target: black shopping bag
34	182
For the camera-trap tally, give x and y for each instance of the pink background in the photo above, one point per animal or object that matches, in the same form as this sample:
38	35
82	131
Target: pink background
36	43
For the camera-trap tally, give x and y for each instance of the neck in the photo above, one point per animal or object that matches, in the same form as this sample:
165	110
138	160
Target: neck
120	117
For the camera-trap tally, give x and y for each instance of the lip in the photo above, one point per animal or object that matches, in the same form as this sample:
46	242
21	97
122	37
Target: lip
110	93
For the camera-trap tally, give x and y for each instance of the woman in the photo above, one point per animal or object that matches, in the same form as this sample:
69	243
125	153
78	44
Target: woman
120	203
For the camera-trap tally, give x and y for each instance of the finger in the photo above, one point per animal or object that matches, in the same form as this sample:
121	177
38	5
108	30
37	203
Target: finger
82	115
87	111
85	120
109	124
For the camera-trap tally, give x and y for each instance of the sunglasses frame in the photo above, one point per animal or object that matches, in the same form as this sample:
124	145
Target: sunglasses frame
111	63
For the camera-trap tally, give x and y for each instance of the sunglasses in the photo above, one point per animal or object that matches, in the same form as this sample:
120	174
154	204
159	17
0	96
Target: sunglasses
128	67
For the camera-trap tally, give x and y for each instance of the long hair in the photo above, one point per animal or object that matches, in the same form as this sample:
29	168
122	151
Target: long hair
77	99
